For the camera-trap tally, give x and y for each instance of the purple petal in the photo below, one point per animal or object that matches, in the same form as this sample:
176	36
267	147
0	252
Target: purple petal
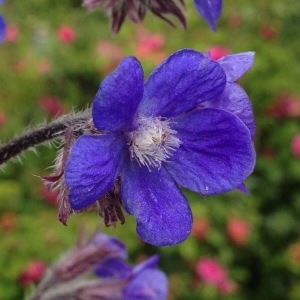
236	65
235	100
107	242
2	1
149	263
118	97
180	83
217	153
2	29
243	188
113	268
210	10
92	168
148	285
162	211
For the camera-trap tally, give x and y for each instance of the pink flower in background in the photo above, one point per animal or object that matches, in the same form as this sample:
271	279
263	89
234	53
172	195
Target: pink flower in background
212	272
149	43
110	55
235	20
268	152
286	106
238	231
2	118
296	145
200	229
33	273
150	46
20	65
227	287
52	105
218	52
268	32
108	50
12	33
44	67
294	252
8	221
66	34
49	196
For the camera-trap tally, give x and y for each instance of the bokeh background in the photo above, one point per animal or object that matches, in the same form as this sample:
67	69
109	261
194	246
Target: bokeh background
242	246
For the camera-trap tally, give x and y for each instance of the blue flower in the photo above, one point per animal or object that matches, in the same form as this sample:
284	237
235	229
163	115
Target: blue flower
234	99
2	25
143	282
157	137
210	10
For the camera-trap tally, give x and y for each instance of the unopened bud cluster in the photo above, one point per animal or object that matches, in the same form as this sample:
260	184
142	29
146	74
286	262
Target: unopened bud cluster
97	269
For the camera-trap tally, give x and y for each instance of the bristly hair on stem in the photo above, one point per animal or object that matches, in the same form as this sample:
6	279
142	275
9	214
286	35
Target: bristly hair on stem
68	129
42	135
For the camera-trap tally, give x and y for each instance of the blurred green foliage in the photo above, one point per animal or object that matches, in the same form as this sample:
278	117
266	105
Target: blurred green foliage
36	63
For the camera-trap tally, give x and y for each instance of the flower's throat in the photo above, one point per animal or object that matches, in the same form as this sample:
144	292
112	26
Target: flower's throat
153	142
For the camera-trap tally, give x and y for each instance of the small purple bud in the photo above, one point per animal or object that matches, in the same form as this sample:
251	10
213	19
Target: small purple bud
113	268
84	256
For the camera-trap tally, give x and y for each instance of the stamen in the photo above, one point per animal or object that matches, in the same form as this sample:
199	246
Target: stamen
153	142
110	207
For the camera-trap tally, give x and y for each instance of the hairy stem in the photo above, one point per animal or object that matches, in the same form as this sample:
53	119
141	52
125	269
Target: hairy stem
41	135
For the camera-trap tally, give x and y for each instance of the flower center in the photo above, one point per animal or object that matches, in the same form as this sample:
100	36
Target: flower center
153	142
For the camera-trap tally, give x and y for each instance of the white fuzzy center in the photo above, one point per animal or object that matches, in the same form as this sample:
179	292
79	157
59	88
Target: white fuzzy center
153	142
